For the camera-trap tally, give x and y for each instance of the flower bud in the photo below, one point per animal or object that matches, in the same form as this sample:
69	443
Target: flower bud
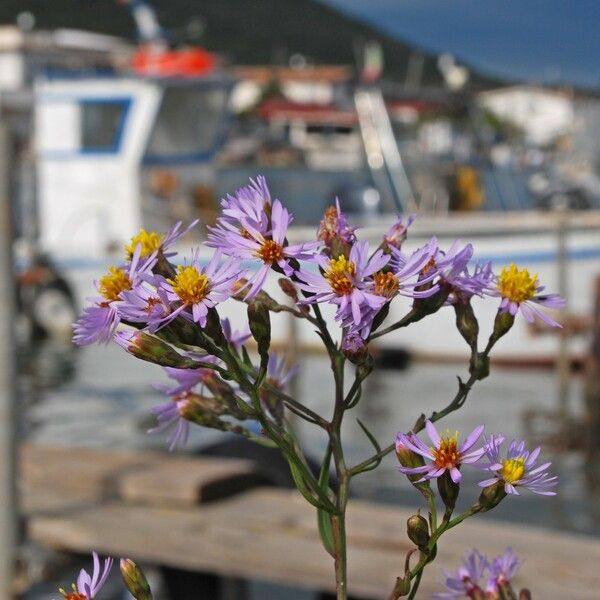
163	267
259	321
288	288
502	324
181	331
448	490
524	594
491	496
213	327
354	348
135	580
148	347
427	306
466	322
408	458
417	530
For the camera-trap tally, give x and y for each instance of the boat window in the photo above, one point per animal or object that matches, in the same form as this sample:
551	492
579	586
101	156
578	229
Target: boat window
188	123
102	124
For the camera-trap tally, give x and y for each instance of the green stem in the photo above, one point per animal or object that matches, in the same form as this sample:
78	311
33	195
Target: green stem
456	403
415	587
403	322
432	510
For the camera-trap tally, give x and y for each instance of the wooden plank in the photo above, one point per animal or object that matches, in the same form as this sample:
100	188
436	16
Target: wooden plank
271	534
53	476
187	481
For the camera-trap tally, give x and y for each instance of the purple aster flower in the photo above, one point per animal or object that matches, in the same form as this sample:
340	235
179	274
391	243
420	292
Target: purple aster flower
466	580
197	289
502	571
99	321
151	242
518	468
242	234
279	372
249	207
352	342
169	416
334	226
346	282
395	280
234	337
446	454
466	285
396	234
144	304
88	586
521	291
451	265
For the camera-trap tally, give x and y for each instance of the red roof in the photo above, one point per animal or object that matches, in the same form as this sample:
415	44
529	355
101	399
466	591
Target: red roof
286	110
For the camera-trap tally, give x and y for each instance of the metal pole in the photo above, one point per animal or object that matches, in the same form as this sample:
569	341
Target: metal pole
8	513
563	366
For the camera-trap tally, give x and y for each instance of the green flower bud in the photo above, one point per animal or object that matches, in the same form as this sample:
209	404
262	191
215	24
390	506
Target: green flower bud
152	349
491	496
448	490
466	322
502	324
135	580
259	321
213	327
163	267
408	458
427	306
417	529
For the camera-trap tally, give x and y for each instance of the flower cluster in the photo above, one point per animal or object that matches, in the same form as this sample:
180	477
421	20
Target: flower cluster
151	295
518	468
481	578
166	311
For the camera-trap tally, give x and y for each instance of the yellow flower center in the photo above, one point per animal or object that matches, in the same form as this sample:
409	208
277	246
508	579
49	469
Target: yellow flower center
190	285
447	455
512	469
516	284
386	284
113	283
270	251
339	275
149	240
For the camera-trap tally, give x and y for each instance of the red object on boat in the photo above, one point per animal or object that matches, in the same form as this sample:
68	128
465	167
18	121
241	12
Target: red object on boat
190	62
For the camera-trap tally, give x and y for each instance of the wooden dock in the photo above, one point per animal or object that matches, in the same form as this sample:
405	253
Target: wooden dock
214	515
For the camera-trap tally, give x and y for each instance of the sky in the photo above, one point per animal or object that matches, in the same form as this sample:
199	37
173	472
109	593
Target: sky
534	40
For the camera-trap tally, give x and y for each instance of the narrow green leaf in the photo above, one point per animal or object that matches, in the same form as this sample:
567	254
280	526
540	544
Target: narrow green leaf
323	517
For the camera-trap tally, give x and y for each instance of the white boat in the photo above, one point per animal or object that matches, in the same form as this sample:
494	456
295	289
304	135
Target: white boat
117	152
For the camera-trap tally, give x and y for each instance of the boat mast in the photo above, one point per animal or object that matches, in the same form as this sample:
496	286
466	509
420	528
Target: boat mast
381	147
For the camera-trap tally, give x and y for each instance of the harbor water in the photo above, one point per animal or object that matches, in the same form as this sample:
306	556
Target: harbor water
99	396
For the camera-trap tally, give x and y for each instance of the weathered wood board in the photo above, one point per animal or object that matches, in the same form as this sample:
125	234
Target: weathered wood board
271	534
